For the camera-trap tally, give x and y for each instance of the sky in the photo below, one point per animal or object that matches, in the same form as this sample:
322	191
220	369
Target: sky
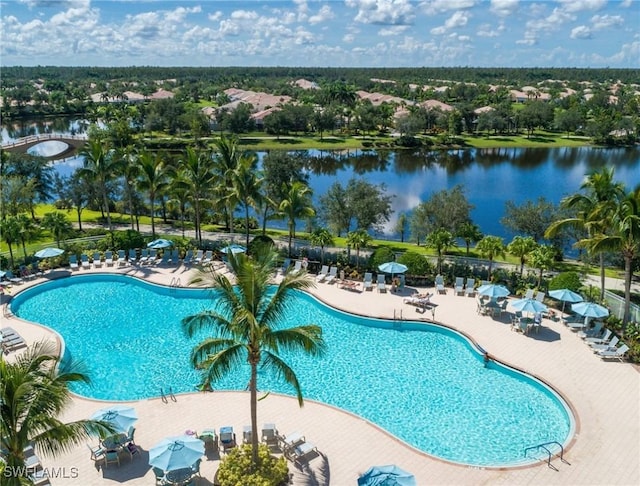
339	33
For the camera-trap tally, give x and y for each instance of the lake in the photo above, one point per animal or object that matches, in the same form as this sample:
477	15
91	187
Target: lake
490	177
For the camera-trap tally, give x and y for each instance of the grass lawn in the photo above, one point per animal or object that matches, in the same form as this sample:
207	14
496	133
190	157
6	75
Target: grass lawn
538	139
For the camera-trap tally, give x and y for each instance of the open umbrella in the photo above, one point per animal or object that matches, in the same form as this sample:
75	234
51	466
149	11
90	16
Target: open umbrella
565	295
49	252
233	249
392	267
494	291
590	309
386	476
528	305
120	416
160	243
176	452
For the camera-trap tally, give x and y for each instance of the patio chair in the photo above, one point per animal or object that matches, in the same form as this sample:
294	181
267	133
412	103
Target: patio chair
175	257
31	460
540	296
36	270
97	263
108	258
333	273
381	284
285	265
458	288
528	294
595	332
290	442
367	283
133	257
617	353
122	258
73	262
612	344
322	274
97	453
25	273
195	468
304	453
85	261
269	434
12	342
198	258
208	258
166	257
246	434
153	257
440	284
227	438
188	257
469	288
209	437
297	267
111	457
159	476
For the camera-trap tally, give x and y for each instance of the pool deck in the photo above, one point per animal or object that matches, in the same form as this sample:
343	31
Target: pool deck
605	396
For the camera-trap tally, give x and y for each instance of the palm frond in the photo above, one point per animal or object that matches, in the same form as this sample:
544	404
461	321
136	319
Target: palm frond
283	371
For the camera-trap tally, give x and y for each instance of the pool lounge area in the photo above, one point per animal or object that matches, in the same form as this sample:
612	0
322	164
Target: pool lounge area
603	395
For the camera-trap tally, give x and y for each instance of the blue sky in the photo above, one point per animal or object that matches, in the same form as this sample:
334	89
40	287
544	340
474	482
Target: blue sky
352	33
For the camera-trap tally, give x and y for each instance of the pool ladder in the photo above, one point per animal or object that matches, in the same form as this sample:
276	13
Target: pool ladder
166	396
549	454
175	283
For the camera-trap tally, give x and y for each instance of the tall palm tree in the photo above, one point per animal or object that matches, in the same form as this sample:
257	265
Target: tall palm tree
199	177
470	233
491	247
359	239
440	240
130	172
521	247
542	258
595	207
27	231
10	233
321	237
247	327
225	164
154	179
58	224
247	184
34	393
625	238
296	204
102	167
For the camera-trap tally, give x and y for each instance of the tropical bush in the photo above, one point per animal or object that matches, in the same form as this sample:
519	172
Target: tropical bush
416	263
381	255
258	242
236	468
566	280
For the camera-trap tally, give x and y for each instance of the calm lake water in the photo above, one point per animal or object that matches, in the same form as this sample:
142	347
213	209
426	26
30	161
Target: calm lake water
490	177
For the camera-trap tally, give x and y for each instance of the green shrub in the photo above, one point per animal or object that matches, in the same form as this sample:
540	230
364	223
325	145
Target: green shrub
381	255
566	280
236	468
416	263
260	242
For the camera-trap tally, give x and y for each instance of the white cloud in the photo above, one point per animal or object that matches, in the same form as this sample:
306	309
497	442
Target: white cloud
580	5
486	30
244	15
601	22
457	19
504	8
432	7
324	14
214	17
393	30
229	28
383	12
626	3
581	32
348	38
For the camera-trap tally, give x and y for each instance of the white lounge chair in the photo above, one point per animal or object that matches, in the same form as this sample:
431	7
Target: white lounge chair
458	288
367	284
97	263
599	340
440	285
153	257
528	294
85	261
304	452
227	438
14	279
198	258
322	274
247	431
108	258
601	347
188	258
207	258
297	267
122	258
333	273
133	257
540	296
593	332
469	288
73	262
617	353
270	434
291	441
381	284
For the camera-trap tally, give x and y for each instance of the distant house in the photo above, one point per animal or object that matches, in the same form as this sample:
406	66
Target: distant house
378	98
305	84
259	116
435	104
161	94
259	101
484	109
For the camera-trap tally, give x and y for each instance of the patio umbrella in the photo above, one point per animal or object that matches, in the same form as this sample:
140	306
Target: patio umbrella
386	476
49	252
392	267
590	309
120	416
565	295
494	291
160	243
176	452
233	249
528	305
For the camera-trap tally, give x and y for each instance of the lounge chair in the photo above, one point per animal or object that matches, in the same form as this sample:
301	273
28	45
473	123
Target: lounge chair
188	258
614	353
528	294
97	263
269	434
440	285
166	256
108	258
458	288
9	275
73	262
198	258
367	283
209	437
540	296
40	477
122	258
85	261
227	438
422	301
175	257
247	432
12	343
322	274
381	284
469	288
208	258
595	331
144	256
297	268
133	257
333	273
291	441
599	340
604	346
36	270
577	326
285	265
153	257
31	459
304	453
25	273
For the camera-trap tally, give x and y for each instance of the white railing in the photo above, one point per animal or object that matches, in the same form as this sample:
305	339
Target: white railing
616	306
42	138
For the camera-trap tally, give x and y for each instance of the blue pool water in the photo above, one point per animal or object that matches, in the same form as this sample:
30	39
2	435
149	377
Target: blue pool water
425	384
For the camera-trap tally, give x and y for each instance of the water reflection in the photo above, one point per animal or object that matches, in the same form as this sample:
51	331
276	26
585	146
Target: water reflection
49	148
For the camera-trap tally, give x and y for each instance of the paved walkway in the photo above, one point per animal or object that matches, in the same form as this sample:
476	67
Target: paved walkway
605	397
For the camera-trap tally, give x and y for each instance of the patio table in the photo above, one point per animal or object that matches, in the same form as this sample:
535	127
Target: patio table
179	476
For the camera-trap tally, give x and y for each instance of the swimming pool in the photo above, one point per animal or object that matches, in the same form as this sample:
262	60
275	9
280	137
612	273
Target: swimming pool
425	384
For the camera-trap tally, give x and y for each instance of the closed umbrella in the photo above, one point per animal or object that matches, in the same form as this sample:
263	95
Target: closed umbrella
160	243
49	252
175	453
234	249
120	416
565	295
494	291
387	476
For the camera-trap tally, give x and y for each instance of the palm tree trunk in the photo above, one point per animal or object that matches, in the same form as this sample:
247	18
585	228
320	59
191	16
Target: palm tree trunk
602	280
253	386
105	202
153	221
628	260
246	219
